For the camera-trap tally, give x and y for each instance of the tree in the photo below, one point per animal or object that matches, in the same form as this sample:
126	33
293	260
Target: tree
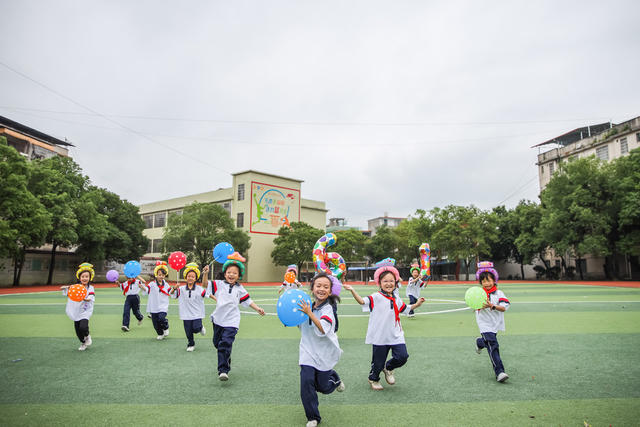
24	222
382	245
410	234
626	204
528	243
350	244
200	227
294	245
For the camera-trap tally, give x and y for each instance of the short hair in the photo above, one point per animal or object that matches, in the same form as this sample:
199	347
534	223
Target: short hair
485	275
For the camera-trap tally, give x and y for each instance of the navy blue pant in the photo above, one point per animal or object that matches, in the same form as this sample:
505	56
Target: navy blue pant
191	327
490	341
223	339
82	329
131	303
399	357
313	381
412	300
160	322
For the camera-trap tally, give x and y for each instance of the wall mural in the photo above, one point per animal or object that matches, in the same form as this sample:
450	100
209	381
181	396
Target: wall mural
272	207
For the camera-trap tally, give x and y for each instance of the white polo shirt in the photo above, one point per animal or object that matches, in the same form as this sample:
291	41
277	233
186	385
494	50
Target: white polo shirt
78	310
493	320
227	312
414	286
383	328
190	302
158	301
130	287
294	285
320	350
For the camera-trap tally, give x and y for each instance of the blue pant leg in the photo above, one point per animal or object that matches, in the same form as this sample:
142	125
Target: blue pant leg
155	319
308	393
188	330
378	359
399	356
327	381
125	313
493	348
412	300
480	342
223	339
163	321
196	326
135	306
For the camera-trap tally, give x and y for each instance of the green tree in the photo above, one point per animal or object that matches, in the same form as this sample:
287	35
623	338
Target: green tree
350	244
294	245
528	243
24	222
199	228
382	245
410	234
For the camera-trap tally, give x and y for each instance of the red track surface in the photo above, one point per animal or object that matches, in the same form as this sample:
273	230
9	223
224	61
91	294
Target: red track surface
636	284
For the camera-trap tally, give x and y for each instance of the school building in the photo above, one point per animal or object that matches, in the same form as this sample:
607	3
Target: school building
258	202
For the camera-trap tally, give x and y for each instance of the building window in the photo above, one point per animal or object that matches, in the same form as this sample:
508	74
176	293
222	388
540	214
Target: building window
157	246
638	137
541	170
240	191
240	220
148	221
624	147
178	212
603	152
160	219
227	207
150	246
36	264
552	167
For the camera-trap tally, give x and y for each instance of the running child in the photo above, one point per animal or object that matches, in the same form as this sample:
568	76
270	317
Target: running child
295	284
158	302
80	311
414	286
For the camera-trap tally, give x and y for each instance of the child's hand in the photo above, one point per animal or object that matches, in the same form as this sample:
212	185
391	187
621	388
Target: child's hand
305	307
420	301
347	287
64	287
487	304
260	311
205	270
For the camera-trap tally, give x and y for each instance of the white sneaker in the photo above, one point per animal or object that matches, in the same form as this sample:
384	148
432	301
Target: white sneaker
83	347
502	377
312	423
166	332
87	340
140	321
125	328
160	337
411	315
375	385
223	377
478	349
203	331
190	348
341	387
388	376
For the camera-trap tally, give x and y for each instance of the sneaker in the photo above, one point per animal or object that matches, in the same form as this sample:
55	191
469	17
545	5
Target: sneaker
203	331
125	328
166	332
190	348
83	347
410	315
341	387
160	337
149	315
223	376
87	340
502	377
140	321
478	349
375	385
388	376
312	423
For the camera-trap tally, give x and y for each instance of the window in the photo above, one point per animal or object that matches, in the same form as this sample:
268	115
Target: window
227	207
240	220
160	219
148	221
624	147
602	152
552	167
638	137
541	170
150	246
36	264
157	246
178	212
240	191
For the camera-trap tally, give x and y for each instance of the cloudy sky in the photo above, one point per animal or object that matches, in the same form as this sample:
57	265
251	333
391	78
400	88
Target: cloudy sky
379	106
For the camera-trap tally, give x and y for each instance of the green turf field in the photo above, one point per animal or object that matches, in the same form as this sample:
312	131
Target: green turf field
572	352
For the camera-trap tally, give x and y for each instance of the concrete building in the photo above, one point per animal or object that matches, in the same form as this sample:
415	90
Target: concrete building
32	143
259	203
606	141
387	220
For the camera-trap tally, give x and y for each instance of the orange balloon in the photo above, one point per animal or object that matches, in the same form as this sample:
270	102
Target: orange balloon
77	293
290	277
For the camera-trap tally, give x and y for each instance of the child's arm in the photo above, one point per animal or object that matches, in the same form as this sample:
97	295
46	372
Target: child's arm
306	308
281	288
418	303
256	308
357	297
498	307
205	274
144	286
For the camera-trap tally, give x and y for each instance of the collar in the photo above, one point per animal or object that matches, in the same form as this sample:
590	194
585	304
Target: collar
386	295
186	286
490	291
318	307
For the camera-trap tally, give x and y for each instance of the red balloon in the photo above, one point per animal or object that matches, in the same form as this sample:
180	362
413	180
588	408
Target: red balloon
177	260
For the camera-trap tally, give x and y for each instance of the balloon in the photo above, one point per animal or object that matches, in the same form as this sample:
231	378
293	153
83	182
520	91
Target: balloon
475	297
177	260
288	309
425	260
331	263
112	275
221	251
336	285
290	277
77	292
132	269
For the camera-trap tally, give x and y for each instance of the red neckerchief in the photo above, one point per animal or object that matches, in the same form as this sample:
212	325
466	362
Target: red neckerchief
160	286
490	291
395	307
129	283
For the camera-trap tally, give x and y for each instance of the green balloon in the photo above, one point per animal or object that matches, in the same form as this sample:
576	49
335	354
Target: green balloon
475	297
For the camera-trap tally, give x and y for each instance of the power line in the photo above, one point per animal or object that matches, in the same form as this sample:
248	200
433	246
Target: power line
526	184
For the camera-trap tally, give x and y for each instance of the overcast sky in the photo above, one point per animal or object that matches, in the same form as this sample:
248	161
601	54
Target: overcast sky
378	106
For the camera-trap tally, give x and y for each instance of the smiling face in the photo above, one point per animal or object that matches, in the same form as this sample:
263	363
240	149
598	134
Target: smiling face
321	289
388	282
231	274
488	283
85	276
415	274
191	278
160	276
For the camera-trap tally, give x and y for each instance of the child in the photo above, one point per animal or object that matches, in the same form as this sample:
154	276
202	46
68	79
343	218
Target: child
413	287
158	302
490	317
226	317
130	289
191	303
384	331
319	348
80	311
295	285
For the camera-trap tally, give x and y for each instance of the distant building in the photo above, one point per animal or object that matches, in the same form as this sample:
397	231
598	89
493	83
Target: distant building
340	224
32	143
389	221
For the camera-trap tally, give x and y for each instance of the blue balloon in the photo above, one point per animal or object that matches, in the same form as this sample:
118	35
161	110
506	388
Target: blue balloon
222	251
132	269
289	311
